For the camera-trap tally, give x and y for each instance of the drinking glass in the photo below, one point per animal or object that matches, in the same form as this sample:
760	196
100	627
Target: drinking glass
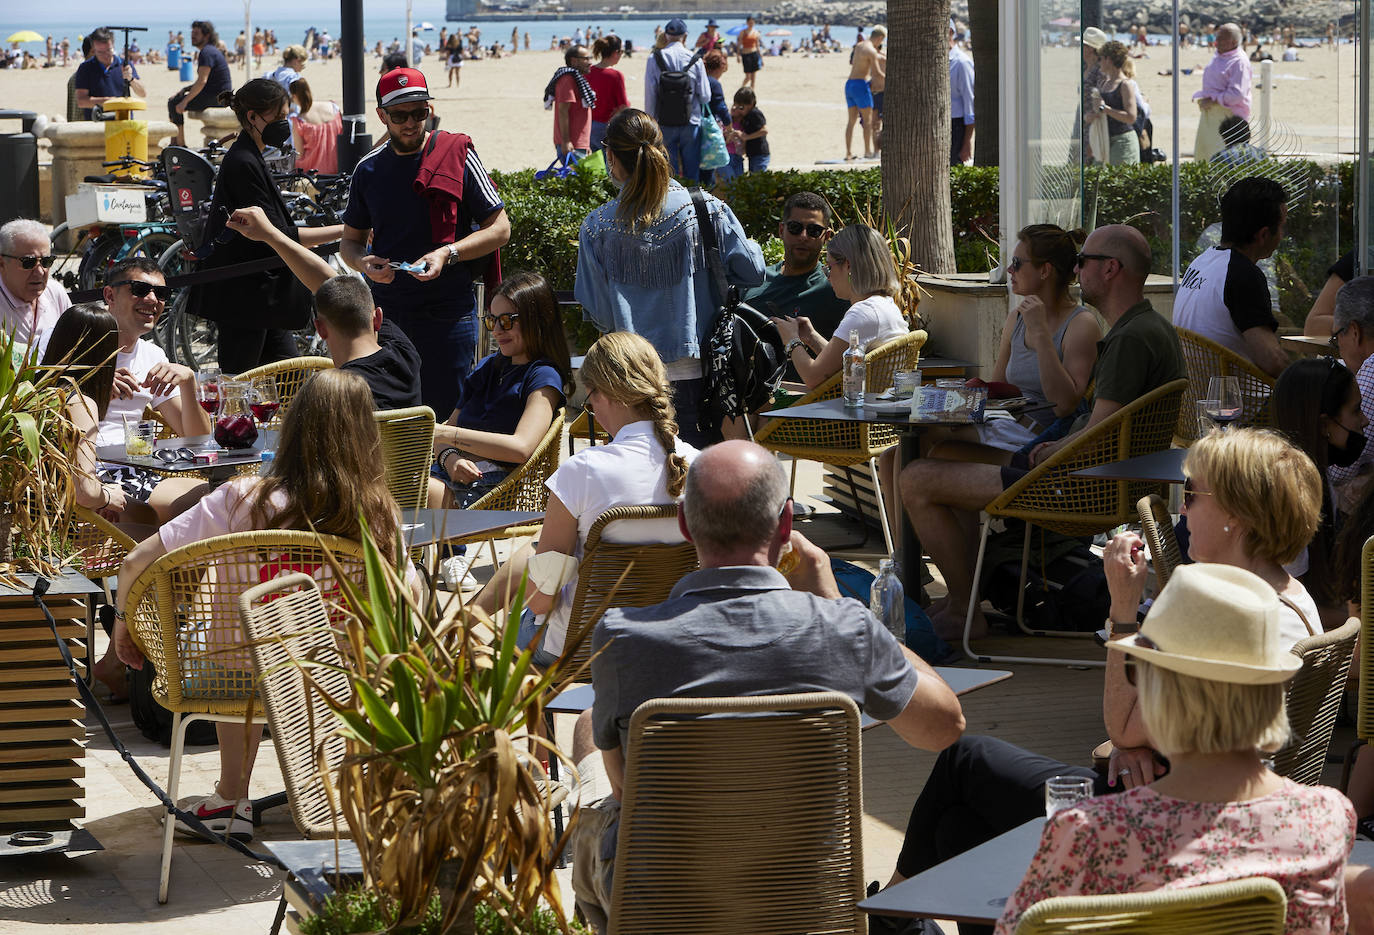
234	427
265	401
1063	792
139	437
1226	392
1205	408
207	391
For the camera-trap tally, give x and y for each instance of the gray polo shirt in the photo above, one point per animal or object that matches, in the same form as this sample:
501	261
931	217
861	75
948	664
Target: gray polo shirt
742	631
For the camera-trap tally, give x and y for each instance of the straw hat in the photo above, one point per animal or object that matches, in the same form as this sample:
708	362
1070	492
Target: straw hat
1214	622
1094	37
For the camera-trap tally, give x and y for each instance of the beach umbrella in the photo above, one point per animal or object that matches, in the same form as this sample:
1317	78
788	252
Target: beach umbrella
778	32
25	35
426	25
735	30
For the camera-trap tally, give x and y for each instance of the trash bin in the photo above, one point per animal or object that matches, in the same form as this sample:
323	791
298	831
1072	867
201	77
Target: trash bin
19	168
173	56
188	69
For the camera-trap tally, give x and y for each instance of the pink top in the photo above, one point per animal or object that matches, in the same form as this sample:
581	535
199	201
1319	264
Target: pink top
579	115
1226	80
319	143
32	321
1299	836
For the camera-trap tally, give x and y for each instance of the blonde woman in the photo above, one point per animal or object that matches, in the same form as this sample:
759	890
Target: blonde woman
639	266
645	464
327	474
858	263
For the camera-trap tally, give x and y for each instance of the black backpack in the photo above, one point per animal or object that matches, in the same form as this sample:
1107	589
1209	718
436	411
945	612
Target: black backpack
153	720
742	361
676	91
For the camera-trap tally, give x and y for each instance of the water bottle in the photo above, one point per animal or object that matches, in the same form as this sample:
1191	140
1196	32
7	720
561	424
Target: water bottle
854	373
887	600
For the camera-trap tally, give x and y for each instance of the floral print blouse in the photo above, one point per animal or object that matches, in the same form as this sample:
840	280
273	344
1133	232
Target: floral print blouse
1299	836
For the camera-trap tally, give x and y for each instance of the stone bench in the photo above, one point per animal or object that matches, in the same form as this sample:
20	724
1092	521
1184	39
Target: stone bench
215	122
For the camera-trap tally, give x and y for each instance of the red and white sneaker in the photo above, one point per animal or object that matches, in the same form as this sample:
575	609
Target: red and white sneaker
221	816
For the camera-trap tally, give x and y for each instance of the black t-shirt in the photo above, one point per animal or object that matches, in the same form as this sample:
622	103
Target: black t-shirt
1344	268
752	122
219	79
393	373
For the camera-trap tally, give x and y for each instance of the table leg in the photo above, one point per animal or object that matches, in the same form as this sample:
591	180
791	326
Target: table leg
909	546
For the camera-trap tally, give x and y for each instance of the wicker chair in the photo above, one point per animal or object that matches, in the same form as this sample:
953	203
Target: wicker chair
701	848
407	451
286	620
1051	497
1253	906
847	444
657	567
99	547
1205	359
183	614
289	375
1364	723
1313	700
1157	529
585	427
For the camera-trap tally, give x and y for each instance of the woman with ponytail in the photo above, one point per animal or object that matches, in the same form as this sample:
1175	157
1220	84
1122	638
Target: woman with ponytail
645	464
641	266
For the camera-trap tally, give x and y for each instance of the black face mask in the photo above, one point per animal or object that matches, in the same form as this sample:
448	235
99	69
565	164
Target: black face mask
1349	453
278	134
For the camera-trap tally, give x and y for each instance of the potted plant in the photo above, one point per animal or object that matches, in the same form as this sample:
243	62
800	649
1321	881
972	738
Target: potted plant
37	440
438	787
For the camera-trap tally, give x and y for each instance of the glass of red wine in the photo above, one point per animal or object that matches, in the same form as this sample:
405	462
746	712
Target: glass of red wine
265	401
1225	393
234	427
207	391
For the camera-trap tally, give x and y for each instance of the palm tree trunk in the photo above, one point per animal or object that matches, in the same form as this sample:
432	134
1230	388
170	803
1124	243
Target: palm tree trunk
916	131
982	22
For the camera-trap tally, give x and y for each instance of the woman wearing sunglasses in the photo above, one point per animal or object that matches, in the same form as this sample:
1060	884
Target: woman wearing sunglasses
506	403
257	312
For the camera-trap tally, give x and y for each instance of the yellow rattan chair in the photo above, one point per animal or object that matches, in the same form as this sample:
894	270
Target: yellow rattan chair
847	444
286	621
289	375
1157	529
99	546
658	566
586	428
750	820
1314	699
407	452
1205	359
183	614
1364	723
1050	496
1253	906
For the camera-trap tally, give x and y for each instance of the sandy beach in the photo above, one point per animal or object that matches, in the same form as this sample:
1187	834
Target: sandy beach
499	101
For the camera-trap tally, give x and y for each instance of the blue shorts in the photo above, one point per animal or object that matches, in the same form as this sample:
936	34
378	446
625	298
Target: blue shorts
857	93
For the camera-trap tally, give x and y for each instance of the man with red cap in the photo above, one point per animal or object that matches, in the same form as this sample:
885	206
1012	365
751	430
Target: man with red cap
430	210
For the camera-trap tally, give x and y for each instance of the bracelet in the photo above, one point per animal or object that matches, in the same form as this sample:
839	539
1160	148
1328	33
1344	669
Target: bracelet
443	455
1125	629
794	344
105	492
119	615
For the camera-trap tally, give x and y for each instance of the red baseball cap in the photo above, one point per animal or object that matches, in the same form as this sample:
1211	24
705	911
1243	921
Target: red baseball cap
401	86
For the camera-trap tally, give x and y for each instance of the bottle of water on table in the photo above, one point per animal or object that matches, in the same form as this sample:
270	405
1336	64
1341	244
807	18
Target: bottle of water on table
854	373
887	600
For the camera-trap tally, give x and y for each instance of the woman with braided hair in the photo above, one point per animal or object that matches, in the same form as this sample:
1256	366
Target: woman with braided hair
640	261
645	464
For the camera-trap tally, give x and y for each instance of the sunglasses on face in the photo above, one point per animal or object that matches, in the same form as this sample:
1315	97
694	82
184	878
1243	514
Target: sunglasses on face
1140	640
140	289
400	117
1083	258
506	321
1015	264
29	262
795	228
1189	493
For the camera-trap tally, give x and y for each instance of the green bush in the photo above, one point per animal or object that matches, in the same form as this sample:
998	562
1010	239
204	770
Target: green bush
358	910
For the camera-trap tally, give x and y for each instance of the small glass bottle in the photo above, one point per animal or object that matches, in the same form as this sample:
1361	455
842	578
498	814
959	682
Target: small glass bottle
887	599
854	373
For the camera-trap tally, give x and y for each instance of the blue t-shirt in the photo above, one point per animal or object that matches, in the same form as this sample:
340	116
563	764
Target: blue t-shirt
382	197
218	80
100	81
492	397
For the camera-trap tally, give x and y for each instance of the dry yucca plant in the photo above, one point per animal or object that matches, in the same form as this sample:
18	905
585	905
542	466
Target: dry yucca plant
438	787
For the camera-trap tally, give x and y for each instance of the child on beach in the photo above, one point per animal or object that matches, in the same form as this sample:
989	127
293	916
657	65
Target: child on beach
753	131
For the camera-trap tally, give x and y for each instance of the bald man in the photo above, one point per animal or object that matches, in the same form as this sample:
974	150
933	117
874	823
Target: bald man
738	627
1139	353
1225	91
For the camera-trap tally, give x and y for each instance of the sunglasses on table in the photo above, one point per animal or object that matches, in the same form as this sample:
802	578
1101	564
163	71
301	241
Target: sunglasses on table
141	289
1143	641
29	262
399	117
173	455
1190	492
813	230
506	321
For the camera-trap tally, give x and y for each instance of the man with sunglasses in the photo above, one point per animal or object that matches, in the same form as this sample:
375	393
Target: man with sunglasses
31	301
798	287
456	217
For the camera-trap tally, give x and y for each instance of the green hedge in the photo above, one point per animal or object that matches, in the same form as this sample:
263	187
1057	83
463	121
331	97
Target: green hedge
545	215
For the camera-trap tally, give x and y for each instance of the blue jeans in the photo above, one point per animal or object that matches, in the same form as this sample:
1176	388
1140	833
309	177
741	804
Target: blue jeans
684	150
598	135
524	636
736	166
759	163
446	346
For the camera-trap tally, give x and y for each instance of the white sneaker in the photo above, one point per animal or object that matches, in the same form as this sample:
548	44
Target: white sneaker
221	816
454	574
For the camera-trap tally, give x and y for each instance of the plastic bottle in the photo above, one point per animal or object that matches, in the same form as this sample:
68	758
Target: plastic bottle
854	373
887	599
265	465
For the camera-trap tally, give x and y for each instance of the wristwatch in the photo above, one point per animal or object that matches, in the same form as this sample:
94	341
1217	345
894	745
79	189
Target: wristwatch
793	345
452	254
1117	629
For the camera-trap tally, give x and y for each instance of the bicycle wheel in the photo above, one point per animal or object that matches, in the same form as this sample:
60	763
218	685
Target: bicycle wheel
99	257
185	338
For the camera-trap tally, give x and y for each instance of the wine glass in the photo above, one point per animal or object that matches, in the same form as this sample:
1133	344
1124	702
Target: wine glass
207	391
265	401
1225	391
